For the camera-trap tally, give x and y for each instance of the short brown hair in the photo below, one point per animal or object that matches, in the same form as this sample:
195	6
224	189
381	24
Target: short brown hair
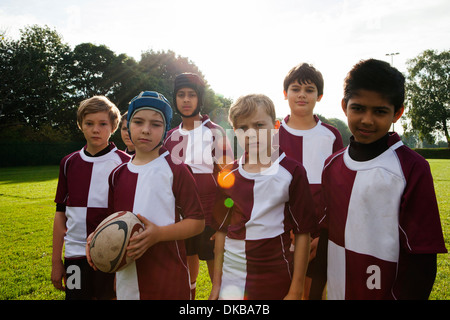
246	105
303	74
99	104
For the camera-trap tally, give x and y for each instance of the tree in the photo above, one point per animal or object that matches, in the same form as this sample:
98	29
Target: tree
43	81
162	67
34	73
428	95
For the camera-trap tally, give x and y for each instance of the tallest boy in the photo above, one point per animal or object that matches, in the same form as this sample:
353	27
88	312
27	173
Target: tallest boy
203	146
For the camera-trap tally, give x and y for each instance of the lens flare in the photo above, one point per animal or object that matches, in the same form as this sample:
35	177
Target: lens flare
225	179
228	202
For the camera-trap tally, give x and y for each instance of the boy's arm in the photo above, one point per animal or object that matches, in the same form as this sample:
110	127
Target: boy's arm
188	202
218	264
301	257
421	232
59	231
153	234
416	282
319	279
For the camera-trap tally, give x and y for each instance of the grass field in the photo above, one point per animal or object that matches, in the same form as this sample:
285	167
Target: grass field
26	222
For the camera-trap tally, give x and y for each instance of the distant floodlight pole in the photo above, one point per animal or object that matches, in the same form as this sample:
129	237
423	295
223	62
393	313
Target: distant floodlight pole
392	64
392	57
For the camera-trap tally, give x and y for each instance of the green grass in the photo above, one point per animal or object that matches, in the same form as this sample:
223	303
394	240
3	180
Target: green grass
27	210
440	170
26	222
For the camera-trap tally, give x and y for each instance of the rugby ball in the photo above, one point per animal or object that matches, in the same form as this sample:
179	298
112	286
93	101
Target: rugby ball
108	247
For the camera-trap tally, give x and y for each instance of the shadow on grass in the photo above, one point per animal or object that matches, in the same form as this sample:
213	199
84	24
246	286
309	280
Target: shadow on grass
13	175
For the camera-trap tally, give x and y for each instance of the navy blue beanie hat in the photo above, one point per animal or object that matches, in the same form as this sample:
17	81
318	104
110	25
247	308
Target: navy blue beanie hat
151	100
193	81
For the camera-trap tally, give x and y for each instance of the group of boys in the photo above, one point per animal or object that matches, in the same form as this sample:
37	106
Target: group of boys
359	222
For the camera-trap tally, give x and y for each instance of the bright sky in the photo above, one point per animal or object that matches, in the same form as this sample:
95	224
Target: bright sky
248	46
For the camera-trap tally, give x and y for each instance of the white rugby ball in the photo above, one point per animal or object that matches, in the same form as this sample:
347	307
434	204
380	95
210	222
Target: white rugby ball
108	247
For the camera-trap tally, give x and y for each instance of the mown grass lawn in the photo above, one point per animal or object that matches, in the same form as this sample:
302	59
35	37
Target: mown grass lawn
26	222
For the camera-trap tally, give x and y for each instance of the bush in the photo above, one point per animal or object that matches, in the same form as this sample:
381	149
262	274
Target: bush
36	153
434	153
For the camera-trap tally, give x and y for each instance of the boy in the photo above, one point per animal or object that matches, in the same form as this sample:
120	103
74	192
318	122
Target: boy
203	146
82	201
165	198
267	198
304	137
129	149
381	214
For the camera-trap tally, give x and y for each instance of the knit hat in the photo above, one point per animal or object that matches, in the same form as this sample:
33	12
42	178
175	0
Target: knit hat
193	81
151	100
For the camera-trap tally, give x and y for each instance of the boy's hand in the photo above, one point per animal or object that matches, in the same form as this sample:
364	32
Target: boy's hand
58	275
144	240
313	248
293	296
214	295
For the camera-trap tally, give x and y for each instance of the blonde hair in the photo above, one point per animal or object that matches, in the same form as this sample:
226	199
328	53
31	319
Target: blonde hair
99	104
246	105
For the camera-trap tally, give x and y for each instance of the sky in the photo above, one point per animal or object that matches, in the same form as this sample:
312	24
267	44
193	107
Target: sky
247	46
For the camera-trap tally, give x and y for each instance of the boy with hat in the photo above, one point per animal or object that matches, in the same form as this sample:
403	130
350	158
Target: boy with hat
204	147
164	196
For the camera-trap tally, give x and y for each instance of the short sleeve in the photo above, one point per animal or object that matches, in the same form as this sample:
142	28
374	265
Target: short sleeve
419	220
186	193
301	203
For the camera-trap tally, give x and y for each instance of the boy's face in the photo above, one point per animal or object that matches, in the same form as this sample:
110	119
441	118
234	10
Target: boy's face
254	134
146	130
369	115
187	101
302	98
97	129
124	134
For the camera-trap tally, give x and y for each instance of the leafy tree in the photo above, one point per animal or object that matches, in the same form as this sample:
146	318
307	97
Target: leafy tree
34	77
428	95
92	71
43	82
162	67
96	70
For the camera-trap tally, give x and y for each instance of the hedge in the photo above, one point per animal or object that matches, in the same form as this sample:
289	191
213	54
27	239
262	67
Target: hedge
434	153
38	153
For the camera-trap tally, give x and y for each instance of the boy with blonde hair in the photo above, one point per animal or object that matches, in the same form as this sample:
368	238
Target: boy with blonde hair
82	201
263	196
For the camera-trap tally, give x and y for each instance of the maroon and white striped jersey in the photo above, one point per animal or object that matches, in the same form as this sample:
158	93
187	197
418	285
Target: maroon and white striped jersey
311	148
164	193
374	210
83	188
258	212
201	149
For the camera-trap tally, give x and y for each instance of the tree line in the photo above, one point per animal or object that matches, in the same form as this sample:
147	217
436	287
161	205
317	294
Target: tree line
43	81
